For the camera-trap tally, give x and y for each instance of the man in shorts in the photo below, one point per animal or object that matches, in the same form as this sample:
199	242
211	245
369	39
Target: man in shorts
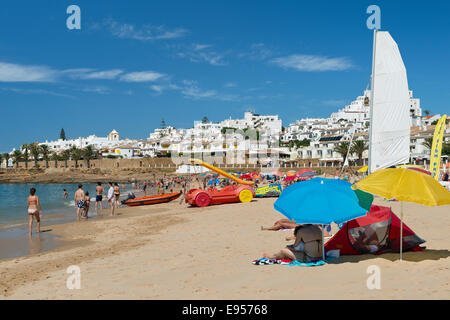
79	200
98	198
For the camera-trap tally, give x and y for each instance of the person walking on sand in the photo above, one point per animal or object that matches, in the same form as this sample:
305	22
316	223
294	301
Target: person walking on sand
79	200
34	210
111	197
99	198
116	194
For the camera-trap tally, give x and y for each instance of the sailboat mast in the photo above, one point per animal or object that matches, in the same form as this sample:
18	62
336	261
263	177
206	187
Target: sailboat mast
371	100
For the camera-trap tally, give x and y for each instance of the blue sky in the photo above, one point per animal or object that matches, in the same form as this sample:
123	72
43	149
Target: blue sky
134	63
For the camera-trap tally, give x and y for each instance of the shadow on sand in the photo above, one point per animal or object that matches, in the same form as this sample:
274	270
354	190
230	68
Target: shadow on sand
427	254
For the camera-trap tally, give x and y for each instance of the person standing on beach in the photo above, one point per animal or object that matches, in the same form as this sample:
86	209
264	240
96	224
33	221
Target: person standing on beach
111	197
99	198
79	200
34	210
116	194
87	202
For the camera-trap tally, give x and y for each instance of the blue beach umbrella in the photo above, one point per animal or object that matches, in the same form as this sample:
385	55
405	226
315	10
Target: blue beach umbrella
321	201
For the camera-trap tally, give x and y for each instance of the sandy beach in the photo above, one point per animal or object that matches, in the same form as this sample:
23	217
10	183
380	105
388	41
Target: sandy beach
170	251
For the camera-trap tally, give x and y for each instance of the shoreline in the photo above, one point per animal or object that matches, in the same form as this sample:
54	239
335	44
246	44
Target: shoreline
171	251
18	229
74	238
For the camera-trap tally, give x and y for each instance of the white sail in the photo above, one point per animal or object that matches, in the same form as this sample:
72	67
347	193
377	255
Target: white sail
389	137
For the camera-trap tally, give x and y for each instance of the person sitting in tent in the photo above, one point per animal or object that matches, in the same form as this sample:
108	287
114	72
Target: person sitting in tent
281	224
366	241
306	248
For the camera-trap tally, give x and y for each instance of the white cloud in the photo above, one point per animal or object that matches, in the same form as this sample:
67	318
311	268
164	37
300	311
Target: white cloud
190	90
99	90
157	88
10	72
144	33
198	47
311	63
86	74
196	93
230	85
202	53
37	91
142	76
258	51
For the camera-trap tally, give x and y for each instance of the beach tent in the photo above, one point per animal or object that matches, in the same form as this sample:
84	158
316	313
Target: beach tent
377	232
289	178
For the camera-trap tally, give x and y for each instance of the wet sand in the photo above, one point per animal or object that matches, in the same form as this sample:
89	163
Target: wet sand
170	251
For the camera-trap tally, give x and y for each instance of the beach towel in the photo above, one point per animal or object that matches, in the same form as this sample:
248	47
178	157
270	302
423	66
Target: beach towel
265	261
287	262
306	264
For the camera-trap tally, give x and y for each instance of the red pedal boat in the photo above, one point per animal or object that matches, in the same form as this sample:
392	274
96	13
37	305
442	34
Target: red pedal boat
159	198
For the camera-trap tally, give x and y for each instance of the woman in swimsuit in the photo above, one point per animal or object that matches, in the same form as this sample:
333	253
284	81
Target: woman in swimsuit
87	202
34	210
116	194
306	248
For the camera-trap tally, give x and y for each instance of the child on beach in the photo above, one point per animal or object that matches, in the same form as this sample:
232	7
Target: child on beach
34	210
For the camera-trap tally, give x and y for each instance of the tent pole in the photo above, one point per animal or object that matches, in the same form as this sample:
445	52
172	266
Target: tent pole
401	230
323	247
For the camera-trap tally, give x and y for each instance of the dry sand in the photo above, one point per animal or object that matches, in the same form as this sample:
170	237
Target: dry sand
169	251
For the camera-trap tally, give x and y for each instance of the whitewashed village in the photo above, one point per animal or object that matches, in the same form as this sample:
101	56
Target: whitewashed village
259	138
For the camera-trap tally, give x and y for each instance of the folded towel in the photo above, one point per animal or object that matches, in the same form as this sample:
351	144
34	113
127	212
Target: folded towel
306	264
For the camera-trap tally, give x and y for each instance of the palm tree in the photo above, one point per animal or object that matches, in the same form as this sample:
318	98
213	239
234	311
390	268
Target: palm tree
55	158
342	148
88	154
65	155
45	151
17	156
35	151
25	154
358	147
6	157
428	143
76	155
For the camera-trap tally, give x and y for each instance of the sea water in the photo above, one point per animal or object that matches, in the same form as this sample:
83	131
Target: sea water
14	240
